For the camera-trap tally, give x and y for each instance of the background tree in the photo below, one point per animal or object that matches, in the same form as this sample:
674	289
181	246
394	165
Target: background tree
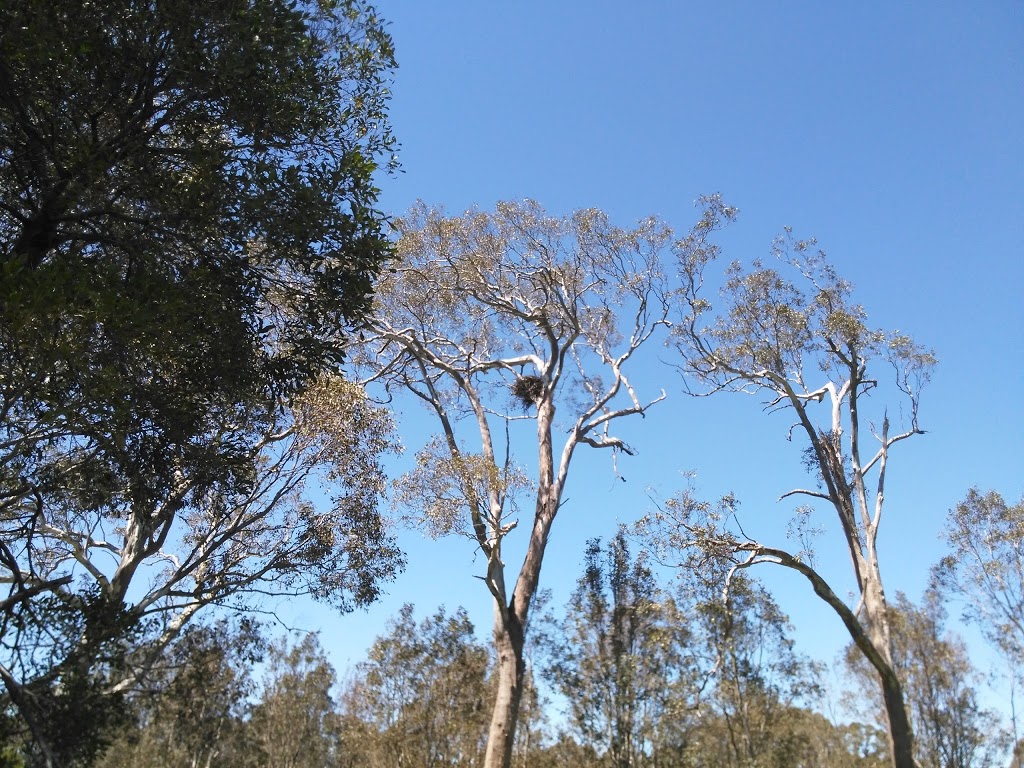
187	231
802	343
193	709
420	698
294	722
1017	759
802	738
621	658
551	309
757	681
985	568
564	752
648	679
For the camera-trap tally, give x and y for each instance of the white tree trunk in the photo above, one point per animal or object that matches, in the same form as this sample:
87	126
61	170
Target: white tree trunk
510	673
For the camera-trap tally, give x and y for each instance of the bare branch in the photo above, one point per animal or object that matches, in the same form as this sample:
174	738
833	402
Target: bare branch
805	492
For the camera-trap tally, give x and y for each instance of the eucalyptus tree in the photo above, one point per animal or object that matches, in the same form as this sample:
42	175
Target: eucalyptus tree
274	534
490	318
564	752
795	337
420	697
294	722
757	682
192	709
188	233
951	727
655	679
985	568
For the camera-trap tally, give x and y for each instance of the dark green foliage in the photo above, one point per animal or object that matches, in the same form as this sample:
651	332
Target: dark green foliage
186	224
56	698
622	658
188	232
420	698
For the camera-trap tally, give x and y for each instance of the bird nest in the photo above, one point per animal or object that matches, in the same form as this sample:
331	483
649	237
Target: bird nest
528	390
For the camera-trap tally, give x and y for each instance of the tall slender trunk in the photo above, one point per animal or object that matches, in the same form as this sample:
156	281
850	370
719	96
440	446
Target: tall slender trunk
876	609
901	737
511	673
510	619
870	633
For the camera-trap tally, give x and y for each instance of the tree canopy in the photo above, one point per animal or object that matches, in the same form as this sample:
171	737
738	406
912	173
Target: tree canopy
188	235
494	317
186	227
793	334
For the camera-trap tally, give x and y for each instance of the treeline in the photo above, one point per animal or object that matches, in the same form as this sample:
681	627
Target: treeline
628	673
203	311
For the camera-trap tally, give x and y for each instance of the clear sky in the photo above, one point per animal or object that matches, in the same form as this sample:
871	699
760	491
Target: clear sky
890	131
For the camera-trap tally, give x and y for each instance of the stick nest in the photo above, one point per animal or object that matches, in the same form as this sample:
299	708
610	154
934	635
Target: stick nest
528	390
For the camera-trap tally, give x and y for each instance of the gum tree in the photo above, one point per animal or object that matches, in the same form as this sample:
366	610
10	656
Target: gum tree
420	697
795	337
493	318
951	727
757	679
181	252
294	722
985	569
192	709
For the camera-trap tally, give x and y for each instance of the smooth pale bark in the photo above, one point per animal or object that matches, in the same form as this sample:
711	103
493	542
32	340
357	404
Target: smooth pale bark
901	735
510	620
510	673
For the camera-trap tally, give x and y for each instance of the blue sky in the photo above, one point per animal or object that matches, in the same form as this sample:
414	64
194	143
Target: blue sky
890	131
